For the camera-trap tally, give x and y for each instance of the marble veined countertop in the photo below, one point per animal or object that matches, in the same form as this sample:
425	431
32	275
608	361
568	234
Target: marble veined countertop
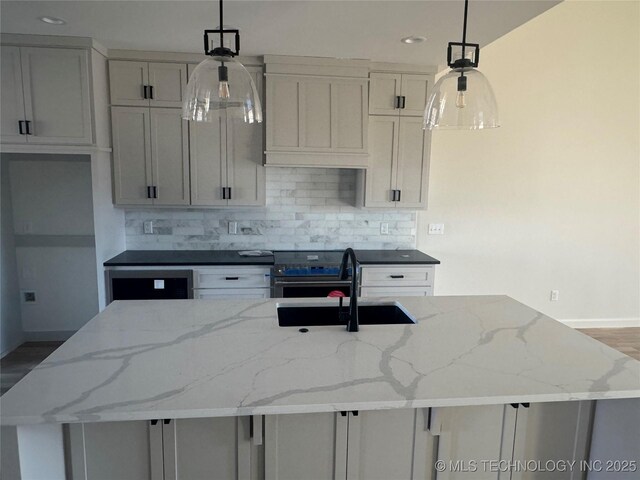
203	358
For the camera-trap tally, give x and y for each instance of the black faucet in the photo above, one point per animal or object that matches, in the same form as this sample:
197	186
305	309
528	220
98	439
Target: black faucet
352	318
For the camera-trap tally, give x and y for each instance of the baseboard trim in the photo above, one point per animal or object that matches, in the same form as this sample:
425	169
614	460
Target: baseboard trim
601	322
48	336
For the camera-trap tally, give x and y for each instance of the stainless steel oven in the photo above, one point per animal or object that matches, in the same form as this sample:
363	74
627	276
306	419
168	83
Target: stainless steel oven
307	274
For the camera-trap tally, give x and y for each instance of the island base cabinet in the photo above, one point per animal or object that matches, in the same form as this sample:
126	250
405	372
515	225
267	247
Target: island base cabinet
190	449
508	442
387	444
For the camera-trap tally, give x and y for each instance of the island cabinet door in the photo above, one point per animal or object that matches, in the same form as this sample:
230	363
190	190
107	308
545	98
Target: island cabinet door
212	448
556	432
390	444
473	441
305	446
110	450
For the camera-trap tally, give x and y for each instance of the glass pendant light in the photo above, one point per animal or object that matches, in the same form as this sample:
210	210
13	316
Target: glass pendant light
221	84
463	98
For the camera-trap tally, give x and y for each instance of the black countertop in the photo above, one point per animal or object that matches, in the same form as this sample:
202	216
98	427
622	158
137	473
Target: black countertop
152	258
164	258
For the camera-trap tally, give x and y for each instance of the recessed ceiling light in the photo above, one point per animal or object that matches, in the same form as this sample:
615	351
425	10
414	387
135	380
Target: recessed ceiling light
413	39
52	20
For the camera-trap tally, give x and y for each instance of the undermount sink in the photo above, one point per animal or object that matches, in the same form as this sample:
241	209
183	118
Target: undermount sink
305	315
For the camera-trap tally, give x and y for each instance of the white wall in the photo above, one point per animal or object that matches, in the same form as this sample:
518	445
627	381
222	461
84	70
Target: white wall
551	199
10	317
55	243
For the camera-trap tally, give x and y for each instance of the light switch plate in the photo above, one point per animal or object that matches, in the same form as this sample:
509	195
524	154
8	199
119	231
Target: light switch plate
384	228
148	227
436	229
233	228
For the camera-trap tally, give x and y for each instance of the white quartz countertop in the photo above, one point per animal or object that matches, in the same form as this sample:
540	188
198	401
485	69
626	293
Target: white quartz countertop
204	358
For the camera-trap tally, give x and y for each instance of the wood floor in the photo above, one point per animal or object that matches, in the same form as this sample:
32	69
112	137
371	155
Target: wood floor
24	358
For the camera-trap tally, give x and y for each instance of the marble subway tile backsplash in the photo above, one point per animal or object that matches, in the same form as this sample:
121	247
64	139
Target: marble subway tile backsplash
307	208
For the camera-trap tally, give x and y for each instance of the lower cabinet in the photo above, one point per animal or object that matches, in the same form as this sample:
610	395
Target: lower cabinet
225	282
397	280
190	449
482	442
490	442
388	444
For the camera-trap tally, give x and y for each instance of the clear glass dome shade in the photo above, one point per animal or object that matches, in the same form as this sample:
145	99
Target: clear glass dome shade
221	84
473	109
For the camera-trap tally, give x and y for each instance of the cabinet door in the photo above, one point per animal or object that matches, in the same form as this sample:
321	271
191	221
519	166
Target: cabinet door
415	90
349	119
474	434
381	445
557	431
245	170
168	82
12	98
170	156
381	174
127	81
131	131
56	95
283	113
109	450
383	90
208	164
305	446
413	163
207	448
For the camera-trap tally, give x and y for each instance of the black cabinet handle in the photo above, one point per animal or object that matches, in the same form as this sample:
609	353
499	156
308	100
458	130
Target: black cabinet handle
344	414
525	405
232	278
28	125
145	93
515	405
20	122
155	192
224	193
403	101
394	194
151	92
396	103
166	421
399	193
396	276
229	196
153	422
149	192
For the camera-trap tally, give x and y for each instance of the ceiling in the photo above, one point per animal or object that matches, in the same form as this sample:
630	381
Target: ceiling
345	29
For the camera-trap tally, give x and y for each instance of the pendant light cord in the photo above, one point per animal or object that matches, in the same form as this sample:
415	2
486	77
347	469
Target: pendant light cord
464	26
222	26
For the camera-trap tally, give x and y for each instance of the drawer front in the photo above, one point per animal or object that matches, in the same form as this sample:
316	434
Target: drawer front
232	277
400	275
226	293
396	291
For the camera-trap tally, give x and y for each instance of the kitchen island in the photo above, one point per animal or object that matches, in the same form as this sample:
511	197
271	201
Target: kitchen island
160	364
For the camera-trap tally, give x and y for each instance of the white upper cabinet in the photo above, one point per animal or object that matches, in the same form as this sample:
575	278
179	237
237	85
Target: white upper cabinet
147	84
12	97
398	173
226	159
150	156
401	94
46	96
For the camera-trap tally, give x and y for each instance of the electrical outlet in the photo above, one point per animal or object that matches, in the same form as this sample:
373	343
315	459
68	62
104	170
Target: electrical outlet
384	228
233	228
555	294
148	227
29	297
436	229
